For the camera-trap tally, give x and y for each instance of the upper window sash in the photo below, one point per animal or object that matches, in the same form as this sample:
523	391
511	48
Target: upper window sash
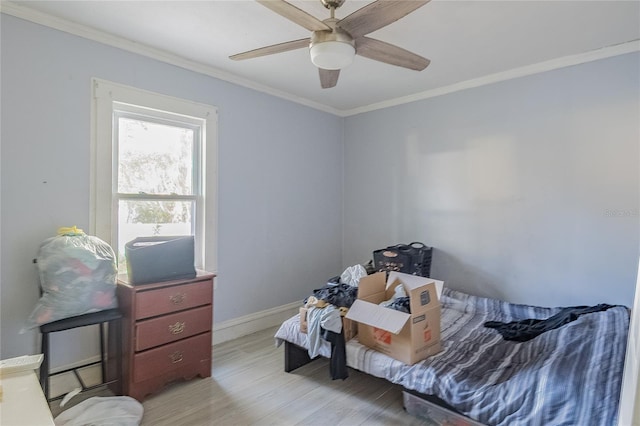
172	120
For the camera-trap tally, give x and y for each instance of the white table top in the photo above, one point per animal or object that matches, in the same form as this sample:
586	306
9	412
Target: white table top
23	402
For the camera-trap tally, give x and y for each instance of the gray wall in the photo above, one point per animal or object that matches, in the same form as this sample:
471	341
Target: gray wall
280	176
528	189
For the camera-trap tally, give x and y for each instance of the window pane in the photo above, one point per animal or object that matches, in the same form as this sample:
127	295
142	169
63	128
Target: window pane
151	218
154	158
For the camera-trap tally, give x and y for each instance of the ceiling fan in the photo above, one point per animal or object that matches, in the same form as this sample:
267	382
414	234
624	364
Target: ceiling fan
334	42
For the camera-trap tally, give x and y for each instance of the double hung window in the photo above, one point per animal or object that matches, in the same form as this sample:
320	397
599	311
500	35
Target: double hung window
153	169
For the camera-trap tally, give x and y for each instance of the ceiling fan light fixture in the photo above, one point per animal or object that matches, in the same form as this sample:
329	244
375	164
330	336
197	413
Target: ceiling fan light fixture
335	42
332	55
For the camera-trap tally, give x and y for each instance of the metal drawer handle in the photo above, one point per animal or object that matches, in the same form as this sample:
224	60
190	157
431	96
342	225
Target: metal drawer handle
177	299
176	357
177	328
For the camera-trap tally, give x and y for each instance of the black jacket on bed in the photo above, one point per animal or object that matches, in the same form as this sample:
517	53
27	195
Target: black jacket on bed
521	331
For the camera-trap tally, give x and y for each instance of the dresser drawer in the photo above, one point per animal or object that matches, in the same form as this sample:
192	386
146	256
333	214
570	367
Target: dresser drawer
169	328
151	363
171	299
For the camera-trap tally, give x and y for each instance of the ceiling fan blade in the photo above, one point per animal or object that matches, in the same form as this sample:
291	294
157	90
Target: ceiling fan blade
295	15
390	54
328	78
377	15
270	50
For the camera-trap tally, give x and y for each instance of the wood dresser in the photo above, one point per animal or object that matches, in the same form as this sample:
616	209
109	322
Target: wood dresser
166	331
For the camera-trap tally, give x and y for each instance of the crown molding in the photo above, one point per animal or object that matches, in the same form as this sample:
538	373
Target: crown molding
84	31
28	14
553	64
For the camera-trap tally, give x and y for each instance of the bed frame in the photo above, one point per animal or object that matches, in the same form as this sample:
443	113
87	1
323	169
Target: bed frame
547	363
296	356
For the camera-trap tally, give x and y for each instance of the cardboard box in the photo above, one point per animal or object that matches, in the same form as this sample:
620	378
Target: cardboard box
406	337
349	327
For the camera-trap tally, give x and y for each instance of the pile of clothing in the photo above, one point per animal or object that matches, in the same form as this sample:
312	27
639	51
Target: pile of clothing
325	308
399	301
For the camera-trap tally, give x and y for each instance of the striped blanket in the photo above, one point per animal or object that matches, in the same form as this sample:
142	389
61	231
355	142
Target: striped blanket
567	376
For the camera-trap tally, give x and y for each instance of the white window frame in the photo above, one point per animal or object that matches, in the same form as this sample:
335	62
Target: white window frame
110	98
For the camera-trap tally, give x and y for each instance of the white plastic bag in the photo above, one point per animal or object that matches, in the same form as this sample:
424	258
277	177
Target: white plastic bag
77	276
352	275
102	411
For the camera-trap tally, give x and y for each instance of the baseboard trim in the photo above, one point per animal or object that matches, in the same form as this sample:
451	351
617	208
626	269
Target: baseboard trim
95	358
252	323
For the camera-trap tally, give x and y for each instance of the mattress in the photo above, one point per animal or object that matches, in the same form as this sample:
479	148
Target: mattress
567	376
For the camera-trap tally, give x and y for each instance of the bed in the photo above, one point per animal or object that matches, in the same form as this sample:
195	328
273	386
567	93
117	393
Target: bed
567	376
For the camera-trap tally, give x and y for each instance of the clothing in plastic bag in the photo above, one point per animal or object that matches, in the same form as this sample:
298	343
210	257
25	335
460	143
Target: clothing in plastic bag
77	276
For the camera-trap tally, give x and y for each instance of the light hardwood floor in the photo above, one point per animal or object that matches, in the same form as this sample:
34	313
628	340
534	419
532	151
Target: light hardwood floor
249	387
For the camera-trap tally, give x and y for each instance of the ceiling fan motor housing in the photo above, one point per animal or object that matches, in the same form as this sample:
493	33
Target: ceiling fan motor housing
332	4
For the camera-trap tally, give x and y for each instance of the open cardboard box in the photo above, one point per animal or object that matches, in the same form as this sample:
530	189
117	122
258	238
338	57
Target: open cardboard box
406	337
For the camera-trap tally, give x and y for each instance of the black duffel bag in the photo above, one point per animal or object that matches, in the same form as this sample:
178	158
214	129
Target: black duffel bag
414	258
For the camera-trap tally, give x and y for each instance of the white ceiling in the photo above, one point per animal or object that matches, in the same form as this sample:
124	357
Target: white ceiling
468	42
